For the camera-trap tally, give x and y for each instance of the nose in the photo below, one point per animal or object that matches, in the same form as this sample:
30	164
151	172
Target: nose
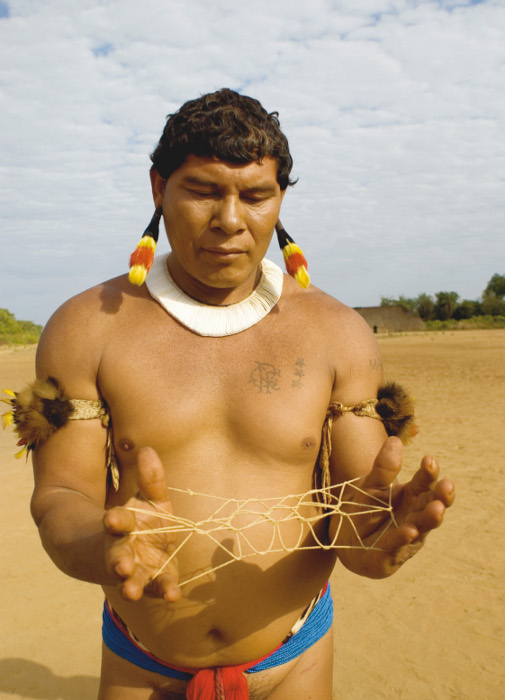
228	216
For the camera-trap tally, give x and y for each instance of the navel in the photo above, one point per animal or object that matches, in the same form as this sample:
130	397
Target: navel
215	635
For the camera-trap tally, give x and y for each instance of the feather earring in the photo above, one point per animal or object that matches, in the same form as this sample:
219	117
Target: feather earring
142	257
294	259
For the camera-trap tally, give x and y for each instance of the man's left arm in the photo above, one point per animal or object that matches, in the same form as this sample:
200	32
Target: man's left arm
361	448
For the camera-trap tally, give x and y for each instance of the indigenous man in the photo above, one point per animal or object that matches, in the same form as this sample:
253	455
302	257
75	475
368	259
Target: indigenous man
217	374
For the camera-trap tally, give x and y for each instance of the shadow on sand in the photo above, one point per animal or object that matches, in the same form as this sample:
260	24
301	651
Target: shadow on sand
32	680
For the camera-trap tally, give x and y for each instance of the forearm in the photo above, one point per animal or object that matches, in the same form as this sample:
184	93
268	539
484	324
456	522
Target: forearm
72	533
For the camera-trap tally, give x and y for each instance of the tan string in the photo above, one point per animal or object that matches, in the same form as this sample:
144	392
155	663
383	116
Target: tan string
335	410
340	500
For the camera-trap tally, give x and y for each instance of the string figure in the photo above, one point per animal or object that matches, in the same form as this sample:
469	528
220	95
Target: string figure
276	512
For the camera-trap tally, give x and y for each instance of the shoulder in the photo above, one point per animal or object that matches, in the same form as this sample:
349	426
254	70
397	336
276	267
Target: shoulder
92	311
336	321
72	342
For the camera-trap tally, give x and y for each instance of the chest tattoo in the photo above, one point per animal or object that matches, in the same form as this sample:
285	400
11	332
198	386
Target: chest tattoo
265	377
299	373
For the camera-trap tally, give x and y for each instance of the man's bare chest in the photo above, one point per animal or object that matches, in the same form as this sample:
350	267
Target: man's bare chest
183	389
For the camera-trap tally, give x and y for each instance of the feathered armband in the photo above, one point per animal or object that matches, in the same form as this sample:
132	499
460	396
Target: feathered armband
393	407
42	408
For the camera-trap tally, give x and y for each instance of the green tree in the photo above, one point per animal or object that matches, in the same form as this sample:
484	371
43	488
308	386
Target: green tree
13	332
409	304
467	309
388	301
496	286
445	304
425	307
493	305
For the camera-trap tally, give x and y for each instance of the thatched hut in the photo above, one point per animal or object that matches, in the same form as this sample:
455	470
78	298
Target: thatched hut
391	319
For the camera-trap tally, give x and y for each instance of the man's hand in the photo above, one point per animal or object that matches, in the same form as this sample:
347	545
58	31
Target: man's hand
418	508
135	559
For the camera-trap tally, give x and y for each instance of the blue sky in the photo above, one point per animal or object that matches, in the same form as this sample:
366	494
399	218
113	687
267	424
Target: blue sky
394	110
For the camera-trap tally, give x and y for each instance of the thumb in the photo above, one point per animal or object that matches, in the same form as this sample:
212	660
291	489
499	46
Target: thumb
387	464
151	475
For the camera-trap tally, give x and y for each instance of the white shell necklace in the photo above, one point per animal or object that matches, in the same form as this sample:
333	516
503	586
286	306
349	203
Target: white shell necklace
215	321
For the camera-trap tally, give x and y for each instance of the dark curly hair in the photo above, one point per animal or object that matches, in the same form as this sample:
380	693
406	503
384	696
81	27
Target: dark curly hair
225	125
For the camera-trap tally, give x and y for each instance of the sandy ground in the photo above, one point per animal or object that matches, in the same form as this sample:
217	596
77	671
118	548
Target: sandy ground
434	630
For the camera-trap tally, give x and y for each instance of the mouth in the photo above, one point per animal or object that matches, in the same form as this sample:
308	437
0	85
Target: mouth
225	253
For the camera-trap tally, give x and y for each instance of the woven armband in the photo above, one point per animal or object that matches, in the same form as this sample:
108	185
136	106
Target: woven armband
42	408
393	406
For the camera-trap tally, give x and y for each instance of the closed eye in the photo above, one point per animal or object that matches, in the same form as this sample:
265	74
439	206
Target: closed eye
203	194
254	199
258	194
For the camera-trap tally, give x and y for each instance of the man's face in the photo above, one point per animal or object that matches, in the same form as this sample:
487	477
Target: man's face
219	219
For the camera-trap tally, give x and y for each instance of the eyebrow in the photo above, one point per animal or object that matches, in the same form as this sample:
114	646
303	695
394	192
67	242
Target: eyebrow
193	180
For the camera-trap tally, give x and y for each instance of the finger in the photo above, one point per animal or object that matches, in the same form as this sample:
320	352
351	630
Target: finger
140	584
119	521
402	536
429	518
165	586
408	542
445	492
133	587
425	478
387	464
151	475
425	481
120	560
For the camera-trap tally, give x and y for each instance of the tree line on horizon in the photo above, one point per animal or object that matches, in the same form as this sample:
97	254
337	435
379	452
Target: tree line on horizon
14	332
445	306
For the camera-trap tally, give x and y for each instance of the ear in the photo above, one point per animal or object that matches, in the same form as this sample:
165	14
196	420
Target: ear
158	185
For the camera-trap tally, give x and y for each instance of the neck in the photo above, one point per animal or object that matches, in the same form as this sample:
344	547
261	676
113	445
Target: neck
212	296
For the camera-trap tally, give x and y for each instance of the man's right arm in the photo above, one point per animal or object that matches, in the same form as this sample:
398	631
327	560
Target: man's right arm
69	469
85	539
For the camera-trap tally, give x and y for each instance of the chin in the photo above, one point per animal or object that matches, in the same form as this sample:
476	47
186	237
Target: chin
231	276
226	282
229	287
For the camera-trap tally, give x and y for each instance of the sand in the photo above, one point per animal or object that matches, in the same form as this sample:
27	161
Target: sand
434	630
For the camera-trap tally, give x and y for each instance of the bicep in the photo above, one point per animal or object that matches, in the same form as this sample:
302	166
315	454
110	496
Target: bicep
356	440
74	457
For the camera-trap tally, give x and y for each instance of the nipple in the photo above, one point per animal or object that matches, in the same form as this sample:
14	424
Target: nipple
126	445
308	443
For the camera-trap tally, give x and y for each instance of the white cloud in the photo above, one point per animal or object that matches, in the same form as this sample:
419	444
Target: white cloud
394	111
